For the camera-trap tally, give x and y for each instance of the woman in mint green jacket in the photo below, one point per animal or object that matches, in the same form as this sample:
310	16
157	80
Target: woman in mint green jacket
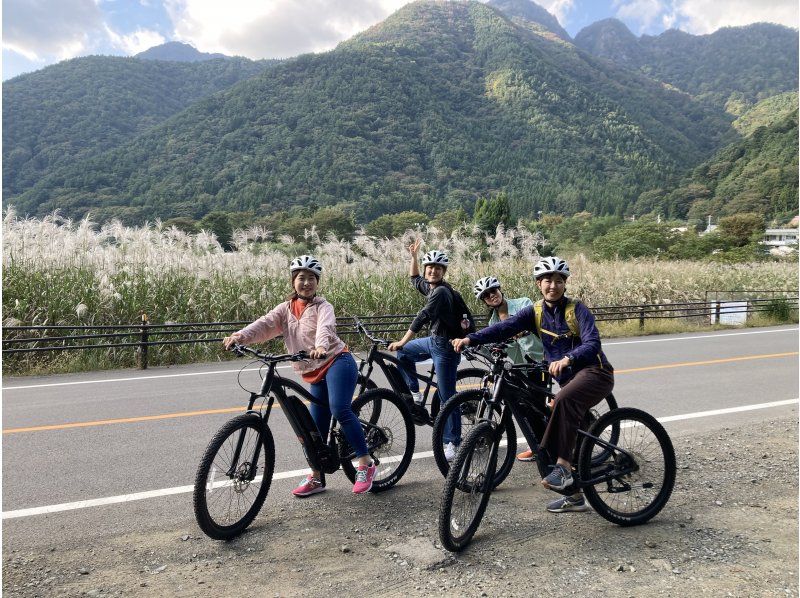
489	291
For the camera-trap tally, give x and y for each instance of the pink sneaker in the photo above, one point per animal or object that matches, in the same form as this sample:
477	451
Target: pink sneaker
308	486
364	476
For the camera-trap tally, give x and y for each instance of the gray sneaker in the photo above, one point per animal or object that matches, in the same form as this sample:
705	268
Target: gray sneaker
558	479
568	504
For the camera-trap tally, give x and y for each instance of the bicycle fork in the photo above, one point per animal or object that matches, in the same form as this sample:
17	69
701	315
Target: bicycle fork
237	453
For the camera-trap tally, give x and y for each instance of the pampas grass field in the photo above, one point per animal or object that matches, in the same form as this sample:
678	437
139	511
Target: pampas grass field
59	272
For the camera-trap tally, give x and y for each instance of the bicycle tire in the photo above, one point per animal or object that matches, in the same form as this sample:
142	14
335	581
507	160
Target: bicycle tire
395	424
219	523
649	486
366	382
469	379
466	379
468	422
467	488
368	385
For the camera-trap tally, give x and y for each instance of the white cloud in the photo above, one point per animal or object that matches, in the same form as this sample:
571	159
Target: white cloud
559	8
60	28
669	20
706	16
643	12
135	42
273	28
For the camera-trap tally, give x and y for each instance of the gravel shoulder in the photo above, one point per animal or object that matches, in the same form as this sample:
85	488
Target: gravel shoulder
730	529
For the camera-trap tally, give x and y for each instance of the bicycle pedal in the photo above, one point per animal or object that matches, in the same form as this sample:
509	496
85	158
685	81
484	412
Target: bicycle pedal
420	415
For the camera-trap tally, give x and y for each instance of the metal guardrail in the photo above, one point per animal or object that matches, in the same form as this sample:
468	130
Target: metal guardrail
47	338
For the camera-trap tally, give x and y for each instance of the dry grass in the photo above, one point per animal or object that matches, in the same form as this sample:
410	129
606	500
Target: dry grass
76	273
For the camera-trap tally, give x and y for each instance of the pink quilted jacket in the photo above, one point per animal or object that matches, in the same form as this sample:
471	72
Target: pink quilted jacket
315	328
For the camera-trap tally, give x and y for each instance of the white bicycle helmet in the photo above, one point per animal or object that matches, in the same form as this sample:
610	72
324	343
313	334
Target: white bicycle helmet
485	284
306	262
435	257
550	265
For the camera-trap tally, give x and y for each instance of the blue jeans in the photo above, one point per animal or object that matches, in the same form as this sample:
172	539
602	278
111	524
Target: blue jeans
446	361
334	395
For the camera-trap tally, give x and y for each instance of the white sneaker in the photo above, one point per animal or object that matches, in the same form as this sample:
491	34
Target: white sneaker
449	451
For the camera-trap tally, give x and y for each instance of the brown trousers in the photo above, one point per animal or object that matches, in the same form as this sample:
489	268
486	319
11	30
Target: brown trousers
589	386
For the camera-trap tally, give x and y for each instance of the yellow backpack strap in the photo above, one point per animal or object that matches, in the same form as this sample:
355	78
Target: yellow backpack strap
537	317
569	316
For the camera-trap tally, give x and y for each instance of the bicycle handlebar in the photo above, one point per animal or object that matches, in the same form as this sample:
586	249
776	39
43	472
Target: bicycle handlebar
496	352
243	350
374	339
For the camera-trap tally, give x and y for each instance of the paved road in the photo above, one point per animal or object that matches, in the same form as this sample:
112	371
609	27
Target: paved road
114	434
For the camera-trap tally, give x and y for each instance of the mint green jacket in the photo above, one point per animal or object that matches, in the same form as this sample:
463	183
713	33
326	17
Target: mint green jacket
527	344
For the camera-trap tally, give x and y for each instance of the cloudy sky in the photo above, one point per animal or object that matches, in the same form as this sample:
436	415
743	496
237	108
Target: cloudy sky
37	33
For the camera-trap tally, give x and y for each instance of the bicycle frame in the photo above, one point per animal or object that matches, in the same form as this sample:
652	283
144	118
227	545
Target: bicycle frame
532	419
321	456
390	367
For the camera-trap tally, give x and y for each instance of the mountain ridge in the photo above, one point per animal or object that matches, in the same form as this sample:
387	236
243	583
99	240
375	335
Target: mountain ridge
730	68
436	105
178	52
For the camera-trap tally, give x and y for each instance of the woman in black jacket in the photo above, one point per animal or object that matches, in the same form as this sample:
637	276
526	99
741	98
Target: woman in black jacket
438	311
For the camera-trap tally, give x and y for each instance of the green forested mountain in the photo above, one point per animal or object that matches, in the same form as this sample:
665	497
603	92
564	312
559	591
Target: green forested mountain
766	113
438	104
756	174
733	67
177	52
78	108
526	10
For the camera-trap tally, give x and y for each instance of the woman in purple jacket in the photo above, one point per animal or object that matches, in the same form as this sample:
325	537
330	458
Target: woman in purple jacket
577	362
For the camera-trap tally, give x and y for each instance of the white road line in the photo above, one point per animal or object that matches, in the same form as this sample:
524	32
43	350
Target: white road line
110	500
689	338
713	412
606	343
131	379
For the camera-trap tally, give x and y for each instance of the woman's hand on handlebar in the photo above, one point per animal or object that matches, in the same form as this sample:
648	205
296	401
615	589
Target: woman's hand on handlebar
397	345
318	353
555	367
231	340
460	343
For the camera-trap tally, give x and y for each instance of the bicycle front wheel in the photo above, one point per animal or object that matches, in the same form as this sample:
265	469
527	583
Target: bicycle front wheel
633	486
467	488
469	379
234	477
467	404
390	435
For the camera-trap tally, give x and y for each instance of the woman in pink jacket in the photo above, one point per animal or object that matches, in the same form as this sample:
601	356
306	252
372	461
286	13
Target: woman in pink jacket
307	322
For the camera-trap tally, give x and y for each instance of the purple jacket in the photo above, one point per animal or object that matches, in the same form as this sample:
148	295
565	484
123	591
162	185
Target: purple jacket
584	350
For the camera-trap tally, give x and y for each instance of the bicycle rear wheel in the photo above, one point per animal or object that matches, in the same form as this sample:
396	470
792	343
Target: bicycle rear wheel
467	403
631	489
467	488
230	486
390	435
